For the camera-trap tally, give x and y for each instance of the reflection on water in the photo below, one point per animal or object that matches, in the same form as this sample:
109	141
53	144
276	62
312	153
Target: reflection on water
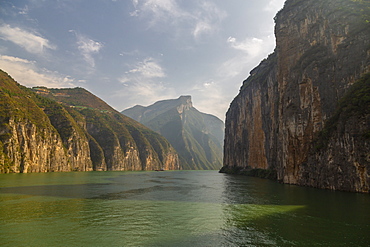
182	208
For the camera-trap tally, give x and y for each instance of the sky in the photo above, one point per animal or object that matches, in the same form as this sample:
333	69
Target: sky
137	52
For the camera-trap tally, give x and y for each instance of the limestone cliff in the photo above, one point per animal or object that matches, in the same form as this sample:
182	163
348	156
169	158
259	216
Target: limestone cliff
322	48
28	140
45	132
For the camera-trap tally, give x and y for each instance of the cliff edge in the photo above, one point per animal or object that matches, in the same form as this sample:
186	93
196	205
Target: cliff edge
60	130
289	121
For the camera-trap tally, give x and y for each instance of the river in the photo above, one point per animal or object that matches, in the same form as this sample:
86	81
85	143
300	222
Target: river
175	208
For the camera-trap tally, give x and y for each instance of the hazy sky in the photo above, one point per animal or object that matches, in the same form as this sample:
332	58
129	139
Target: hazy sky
130	52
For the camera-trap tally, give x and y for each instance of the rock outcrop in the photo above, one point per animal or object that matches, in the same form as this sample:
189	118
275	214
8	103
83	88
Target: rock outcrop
49	130
322	49
196	136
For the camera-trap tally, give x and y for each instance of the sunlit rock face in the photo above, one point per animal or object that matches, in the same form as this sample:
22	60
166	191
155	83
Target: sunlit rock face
322	49
60	130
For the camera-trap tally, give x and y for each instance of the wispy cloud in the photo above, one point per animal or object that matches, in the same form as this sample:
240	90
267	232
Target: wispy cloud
135	52
202	27
27	73
158	10
253	51
145	70
24	10
250	46
30	41
87	47
204	18
207	19
142	81
146	91
209	96
274	5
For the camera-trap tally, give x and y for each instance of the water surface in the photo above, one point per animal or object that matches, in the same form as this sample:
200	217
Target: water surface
175	208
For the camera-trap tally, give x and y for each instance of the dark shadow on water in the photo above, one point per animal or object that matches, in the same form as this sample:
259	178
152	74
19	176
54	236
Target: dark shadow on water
81	191
326	218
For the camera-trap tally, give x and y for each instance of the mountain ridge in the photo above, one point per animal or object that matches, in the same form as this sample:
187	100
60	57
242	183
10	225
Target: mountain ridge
45	130
197	137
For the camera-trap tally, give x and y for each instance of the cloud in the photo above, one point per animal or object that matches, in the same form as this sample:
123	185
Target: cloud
147	92
202	27
250	46
135	52
24	11
146	70
87	47
144	93
204	18
207	19
209	96
253	51
160	10
274	5
31	42
27	73
141	83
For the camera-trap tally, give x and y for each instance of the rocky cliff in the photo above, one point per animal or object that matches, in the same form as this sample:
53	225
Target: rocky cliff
45	130
322	49
196	136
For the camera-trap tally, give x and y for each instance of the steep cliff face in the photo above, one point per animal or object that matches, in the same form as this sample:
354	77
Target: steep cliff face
196	136
29	141
322	48
37	134
340	156
117	142
252	121
73	136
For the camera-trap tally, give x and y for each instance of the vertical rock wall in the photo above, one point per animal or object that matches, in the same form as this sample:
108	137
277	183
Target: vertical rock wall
38	134
30	149
322	48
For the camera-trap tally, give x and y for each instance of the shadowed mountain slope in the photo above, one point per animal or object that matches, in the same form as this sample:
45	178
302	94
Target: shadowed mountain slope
196	136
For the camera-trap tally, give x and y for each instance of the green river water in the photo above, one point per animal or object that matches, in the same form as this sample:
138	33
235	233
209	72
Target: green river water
175	208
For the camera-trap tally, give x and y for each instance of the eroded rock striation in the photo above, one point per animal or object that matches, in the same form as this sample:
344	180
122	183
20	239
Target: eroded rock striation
52	130
274	125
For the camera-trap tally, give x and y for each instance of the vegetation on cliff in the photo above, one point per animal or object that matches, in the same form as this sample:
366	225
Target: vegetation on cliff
86	132
300	113
356	103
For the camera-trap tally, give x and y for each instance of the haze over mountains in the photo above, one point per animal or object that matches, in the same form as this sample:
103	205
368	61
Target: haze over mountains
196	136
70	129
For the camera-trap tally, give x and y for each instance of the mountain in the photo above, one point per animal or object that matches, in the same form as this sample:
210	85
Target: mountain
302	116
196	136
46	130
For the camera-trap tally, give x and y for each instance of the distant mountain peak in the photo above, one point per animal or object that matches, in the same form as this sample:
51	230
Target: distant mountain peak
185	103
197	137
186	99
